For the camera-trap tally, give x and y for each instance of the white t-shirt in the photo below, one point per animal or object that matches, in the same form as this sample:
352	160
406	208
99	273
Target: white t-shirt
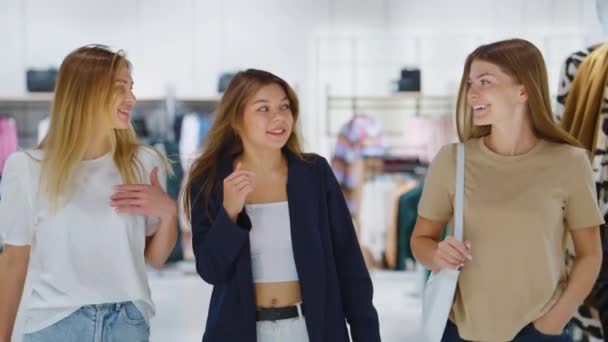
85	253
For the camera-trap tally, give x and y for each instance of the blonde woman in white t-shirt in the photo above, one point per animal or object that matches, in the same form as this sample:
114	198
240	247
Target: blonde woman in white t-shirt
87	210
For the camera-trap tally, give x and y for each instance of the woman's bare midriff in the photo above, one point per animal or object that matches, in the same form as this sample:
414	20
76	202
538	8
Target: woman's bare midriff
277	295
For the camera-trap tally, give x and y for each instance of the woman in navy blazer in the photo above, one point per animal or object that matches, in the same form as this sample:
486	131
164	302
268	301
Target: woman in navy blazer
252	155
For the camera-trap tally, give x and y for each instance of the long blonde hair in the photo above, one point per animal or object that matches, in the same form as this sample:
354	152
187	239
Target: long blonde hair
524	62
85	101
223	138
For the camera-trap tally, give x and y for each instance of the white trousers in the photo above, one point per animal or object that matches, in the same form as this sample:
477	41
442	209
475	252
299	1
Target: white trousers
284	330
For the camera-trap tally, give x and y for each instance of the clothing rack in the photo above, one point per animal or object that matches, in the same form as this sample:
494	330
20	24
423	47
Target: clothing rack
392	164
28	110
391	109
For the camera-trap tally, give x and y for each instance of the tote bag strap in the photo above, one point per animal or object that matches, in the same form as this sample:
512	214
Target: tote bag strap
459	207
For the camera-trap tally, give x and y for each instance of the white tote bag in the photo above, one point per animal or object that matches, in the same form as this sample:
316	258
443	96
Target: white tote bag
441	286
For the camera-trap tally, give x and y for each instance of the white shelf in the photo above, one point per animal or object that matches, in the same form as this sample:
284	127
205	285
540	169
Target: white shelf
34	97
48	97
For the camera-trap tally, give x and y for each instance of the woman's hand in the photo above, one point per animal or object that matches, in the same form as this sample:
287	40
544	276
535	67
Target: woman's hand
451	253
549	325
143	199
588	251
237	186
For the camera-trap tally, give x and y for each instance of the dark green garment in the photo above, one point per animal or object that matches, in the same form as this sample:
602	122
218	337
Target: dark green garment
173	187
406	220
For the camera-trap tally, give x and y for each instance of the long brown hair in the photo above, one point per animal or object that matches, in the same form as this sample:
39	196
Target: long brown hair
223	138
85	100
524	62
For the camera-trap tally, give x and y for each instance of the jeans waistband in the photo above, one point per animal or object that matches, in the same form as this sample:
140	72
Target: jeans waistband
106	306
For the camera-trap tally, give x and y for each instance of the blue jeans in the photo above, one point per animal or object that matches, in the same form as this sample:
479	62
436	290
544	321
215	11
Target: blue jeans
97	323
528	334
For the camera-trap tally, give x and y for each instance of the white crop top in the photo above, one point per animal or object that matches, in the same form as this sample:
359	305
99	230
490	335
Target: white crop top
271	249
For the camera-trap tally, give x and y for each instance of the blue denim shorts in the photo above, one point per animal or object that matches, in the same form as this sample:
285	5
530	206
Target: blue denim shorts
97	323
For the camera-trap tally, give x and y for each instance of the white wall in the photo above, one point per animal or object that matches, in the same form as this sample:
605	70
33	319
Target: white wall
436	35
354	46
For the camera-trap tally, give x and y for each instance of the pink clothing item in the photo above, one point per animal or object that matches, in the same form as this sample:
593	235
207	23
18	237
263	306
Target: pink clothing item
8	139
423	136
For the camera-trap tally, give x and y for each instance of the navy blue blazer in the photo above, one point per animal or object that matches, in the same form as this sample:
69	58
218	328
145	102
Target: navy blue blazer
332	273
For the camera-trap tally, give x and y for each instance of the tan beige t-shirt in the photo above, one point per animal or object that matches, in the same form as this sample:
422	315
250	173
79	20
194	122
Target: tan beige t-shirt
517	212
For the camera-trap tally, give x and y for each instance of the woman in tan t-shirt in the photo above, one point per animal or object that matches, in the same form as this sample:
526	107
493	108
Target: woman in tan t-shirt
528	185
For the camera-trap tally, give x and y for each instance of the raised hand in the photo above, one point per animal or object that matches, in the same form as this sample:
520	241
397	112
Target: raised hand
143	199
237	186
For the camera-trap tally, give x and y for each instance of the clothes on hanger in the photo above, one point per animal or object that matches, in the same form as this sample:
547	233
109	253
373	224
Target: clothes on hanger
8	139
566	78
43	128
585	100
381	227
141	127
361	137
392	257
193	131
406	220
582	109
375	213
172	186
423	136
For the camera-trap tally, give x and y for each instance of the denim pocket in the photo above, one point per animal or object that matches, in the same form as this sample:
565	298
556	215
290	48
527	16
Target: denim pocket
547	337
131	314
77	324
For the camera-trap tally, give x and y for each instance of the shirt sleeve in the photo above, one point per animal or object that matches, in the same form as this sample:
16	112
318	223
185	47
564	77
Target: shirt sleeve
151	159
436	202
16	210
581	209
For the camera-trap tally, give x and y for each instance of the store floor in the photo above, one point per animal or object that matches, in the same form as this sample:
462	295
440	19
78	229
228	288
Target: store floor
182	299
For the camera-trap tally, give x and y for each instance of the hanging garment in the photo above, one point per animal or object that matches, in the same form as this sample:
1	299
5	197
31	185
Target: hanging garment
194	129
584	103
8	139
406	220
172	186
375	217
423	136
188	142
43	128
582	107
203	128
141	128
392	238
361	137
566	78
